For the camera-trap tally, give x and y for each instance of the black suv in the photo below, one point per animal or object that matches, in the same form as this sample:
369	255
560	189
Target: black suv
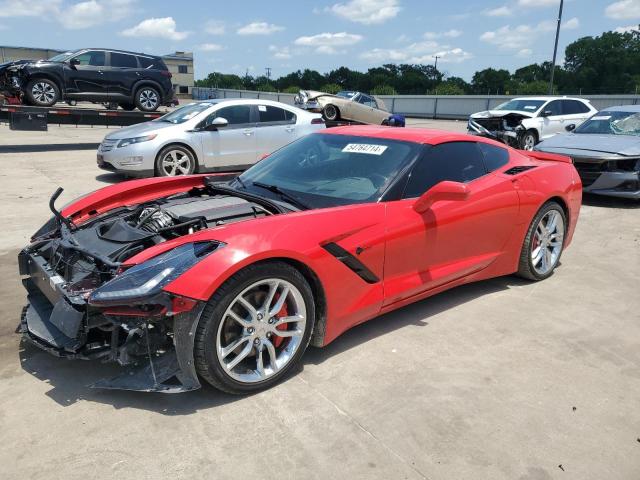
92	74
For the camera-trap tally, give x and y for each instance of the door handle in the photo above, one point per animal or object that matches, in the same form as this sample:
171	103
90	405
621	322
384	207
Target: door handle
100	72
290	129
248	132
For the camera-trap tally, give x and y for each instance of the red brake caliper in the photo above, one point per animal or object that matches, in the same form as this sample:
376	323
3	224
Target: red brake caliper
277	341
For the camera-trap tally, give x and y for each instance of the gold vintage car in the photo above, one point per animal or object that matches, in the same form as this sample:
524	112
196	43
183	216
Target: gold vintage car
347	105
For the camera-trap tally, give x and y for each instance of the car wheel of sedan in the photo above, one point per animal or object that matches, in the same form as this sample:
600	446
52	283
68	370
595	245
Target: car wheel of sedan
255	328
147	99
42	92
544	243
331	113
529	140
175	160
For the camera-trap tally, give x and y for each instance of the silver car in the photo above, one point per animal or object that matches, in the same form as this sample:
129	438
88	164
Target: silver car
216	135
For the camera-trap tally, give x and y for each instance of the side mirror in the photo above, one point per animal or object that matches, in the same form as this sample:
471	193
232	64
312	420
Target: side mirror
571	127
546	113
216	123
74	62
446	190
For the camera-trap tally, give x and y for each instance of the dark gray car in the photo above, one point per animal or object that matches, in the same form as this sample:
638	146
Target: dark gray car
605	151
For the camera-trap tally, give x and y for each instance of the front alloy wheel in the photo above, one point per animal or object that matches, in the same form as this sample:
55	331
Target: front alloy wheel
529	141
255	328
174	161
42	92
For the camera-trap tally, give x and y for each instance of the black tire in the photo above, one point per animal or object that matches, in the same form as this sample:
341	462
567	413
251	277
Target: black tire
525	265
147	98
206	359
181	152
127	106
331	113
42	92
529	140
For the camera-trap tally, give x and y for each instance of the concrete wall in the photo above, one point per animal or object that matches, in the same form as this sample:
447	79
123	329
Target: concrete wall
11	54
424	106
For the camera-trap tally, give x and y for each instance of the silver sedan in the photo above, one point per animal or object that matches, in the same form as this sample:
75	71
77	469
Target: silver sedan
216	135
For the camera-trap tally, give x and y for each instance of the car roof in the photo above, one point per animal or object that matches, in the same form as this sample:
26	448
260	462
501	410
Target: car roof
548	98
114	50
622	108
249	101
415	135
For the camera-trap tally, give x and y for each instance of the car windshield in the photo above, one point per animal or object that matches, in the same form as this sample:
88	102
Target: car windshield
326	170
612	123
182	114
347	94
521	105
61	57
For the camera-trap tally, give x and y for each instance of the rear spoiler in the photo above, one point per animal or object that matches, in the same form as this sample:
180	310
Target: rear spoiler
549	157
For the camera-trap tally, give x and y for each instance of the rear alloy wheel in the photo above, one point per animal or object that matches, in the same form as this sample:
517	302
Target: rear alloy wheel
331	113
255	328
544	243
529	140
42	92
175	160
147	99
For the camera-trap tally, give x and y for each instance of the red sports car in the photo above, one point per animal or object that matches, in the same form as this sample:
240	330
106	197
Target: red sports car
202	277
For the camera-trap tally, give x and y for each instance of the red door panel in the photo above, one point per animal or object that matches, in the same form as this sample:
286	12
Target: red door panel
448	241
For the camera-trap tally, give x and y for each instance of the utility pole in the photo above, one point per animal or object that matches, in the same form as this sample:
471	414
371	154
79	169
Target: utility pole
268	70
555	48
436	65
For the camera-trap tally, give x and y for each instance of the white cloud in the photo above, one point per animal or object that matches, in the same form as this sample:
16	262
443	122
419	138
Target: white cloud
571	24
280	52
156	27
93	12
210	47
538	3
328	43
368	12
214	27
259	28
627	29
419	52
503	11
523	36
524	53
453	33
623	10
29	8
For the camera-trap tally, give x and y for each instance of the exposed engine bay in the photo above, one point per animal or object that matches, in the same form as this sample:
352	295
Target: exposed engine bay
507	128
66	264
12	79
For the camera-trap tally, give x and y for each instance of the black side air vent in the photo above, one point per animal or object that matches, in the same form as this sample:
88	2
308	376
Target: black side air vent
520	169
355	265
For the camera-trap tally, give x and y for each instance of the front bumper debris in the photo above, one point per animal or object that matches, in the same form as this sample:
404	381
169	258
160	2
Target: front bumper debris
65	325
614	178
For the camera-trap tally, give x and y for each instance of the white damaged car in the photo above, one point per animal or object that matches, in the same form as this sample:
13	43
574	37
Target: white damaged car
523	122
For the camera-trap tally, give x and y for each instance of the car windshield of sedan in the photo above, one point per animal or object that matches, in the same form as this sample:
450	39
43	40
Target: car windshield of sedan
182	114
612	123
522	105
326	170
347	94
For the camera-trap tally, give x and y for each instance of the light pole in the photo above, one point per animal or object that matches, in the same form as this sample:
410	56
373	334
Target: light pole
555	48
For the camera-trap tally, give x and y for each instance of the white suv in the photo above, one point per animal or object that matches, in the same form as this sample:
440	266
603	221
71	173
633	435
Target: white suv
523	122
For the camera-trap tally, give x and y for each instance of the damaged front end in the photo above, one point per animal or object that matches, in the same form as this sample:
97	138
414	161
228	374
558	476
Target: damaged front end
85	301
13	79
504	127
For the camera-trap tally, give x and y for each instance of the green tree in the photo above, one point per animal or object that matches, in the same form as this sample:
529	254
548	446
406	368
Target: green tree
330	88
383	90
490	81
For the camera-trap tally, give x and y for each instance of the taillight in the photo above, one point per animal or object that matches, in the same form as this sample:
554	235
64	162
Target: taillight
317	121
166	73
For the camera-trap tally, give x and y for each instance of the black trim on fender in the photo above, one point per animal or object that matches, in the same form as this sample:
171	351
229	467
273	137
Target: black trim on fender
351	262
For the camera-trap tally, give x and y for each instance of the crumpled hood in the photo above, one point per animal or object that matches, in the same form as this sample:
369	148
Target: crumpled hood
139	130
582	143
5	65
499	113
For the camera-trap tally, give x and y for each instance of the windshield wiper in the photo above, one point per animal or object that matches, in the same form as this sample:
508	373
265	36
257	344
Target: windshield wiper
284	195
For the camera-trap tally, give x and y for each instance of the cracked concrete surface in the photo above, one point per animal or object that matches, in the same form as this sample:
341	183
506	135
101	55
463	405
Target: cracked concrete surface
479	382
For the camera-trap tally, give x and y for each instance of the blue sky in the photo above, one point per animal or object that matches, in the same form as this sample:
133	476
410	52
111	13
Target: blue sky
286	35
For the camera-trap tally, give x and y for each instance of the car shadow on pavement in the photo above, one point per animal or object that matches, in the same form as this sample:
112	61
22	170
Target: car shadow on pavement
593	200
69	379
111	178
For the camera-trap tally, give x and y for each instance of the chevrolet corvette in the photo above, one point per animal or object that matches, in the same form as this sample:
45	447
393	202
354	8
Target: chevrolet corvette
224	280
